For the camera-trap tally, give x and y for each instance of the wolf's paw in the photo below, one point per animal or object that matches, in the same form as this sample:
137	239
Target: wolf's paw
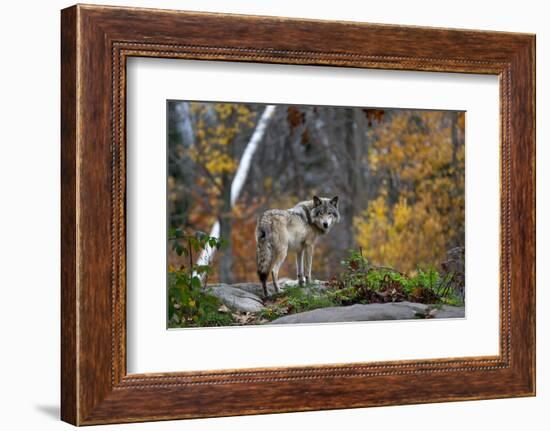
301	280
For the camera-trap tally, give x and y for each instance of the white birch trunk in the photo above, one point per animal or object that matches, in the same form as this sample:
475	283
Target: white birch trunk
207	254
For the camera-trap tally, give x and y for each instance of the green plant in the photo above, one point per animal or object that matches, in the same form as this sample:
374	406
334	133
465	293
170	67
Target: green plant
361	282
300	300
297	299
188	303
191	306
274	311
431	279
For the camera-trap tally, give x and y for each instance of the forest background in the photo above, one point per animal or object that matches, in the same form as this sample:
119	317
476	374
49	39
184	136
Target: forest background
399	175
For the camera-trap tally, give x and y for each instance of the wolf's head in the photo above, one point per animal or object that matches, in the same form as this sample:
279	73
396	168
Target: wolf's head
324	213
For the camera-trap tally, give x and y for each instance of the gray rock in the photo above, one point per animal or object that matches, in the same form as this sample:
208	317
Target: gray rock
371	312
449	312
256	288
235	298
454	266
248	297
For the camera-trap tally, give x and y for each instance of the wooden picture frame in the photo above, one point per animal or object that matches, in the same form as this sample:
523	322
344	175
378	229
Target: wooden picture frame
95	43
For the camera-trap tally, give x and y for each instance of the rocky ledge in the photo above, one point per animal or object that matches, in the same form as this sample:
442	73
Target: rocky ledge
371	312
247	298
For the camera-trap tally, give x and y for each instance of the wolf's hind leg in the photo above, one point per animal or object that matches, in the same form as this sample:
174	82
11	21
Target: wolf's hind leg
263	279
308	257
300	266
281	256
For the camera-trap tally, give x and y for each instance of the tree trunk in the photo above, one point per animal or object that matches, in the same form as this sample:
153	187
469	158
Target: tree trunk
226	260
230	193
349	209
459	185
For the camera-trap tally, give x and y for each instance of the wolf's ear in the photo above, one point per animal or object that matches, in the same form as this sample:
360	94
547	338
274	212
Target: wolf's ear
316	201
334	201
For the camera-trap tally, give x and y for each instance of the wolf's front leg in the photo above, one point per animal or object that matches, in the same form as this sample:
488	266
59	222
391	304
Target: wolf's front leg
308	257
300	266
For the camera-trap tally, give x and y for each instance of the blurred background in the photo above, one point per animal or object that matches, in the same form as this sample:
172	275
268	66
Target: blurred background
399	174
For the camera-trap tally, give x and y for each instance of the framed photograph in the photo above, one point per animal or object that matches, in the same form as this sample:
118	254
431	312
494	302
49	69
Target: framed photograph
265	215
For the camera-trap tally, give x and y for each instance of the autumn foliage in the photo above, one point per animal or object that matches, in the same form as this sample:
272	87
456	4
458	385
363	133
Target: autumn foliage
418	212
399	175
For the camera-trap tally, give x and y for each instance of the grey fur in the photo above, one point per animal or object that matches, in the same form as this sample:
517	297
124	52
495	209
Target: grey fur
295	229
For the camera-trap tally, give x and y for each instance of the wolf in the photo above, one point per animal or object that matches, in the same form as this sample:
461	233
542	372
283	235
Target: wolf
296	229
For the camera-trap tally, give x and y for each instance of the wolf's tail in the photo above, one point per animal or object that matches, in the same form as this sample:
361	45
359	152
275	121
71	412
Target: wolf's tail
264	251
